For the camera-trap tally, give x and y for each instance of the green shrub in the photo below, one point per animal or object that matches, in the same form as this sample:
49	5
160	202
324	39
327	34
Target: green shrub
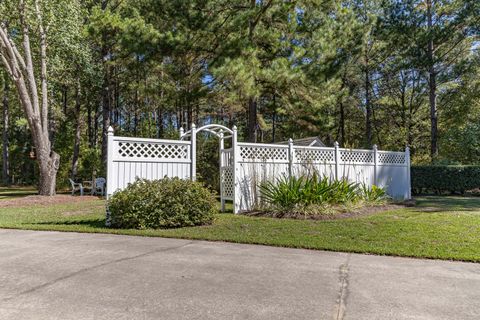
298	193
374	194
439	179
165	203
284	193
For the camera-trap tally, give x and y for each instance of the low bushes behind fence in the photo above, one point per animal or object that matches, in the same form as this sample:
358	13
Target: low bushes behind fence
442	179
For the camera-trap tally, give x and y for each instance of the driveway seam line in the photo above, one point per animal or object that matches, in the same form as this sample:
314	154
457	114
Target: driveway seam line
343	291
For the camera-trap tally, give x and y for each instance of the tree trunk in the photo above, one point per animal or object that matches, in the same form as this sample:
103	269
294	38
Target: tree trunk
252	120
105	114
48	165
76	144
342	125
252	101
274	120
159	123
432	85
105	55
368	106
5	138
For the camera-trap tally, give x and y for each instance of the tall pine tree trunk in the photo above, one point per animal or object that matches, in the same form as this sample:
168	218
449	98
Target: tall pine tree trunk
432	85
105	115
105	55
368	106
76	143
341	125
252	101
252	119
5	138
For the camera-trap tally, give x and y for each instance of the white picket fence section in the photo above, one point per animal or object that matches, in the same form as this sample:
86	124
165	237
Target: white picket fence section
244	166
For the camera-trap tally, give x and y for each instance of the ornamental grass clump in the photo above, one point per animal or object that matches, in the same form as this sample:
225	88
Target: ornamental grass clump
314	195
165	203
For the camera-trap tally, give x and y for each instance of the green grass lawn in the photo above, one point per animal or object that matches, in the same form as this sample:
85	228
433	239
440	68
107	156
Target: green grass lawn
13	192
439	227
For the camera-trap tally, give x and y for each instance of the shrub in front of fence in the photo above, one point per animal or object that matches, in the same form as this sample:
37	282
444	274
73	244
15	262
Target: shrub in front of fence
165	203
442	179
307	194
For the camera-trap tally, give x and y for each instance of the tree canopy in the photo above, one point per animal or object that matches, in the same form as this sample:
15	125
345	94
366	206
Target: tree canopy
361	72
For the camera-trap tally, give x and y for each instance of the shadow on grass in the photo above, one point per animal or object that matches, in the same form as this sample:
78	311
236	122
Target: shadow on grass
92	223
15	195
448	203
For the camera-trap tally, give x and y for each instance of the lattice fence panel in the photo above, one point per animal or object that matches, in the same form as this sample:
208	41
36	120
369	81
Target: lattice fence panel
391	158
264	153
350	156
226	178
227	158
152	150
314	155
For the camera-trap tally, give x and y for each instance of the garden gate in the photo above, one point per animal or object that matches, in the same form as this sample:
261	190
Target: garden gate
244	166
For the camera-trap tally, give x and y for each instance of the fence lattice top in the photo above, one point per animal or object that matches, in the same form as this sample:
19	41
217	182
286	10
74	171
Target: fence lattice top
354	156
264	153
391	157
152	150
314	154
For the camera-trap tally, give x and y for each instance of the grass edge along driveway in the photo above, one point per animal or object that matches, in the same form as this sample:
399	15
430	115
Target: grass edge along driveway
439	228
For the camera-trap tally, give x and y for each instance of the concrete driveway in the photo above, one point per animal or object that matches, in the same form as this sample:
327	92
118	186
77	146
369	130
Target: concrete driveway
53	275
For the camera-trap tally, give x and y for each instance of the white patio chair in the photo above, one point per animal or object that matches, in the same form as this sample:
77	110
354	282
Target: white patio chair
99	186
76	187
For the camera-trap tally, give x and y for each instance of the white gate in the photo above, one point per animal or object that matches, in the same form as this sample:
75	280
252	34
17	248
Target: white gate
244	166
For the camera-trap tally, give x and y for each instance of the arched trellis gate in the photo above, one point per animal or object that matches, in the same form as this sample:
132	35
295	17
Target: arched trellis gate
244	166
227	157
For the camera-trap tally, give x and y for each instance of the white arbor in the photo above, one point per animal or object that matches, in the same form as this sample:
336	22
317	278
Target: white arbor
227	157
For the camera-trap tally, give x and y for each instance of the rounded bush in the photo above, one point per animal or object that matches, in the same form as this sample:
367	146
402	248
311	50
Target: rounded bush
165	203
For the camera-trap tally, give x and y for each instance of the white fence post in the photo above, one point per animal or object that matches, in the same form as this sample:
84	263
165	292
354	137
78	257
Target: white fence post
409	181
291	156
193	153
337	160
110	148
375	164
221	147
235	159
182	132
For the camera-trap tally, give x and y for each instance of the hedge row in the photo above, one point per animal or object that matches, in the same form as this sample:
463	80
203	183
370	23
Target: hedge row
441	179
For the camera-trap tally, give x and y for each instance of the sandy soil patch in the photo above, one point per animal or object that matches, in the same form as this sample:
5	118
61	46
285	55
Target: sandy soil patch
44	201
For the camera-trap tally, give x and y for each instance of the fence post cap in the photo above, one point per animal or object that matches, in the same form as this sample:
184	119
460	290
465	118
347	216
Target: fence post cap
290	140
194	126
374	147
110	131
336	144
234	128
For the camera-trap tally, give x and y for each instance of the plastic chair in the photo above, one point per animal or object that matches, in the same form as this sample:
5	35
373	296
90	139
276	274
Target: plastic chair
76	187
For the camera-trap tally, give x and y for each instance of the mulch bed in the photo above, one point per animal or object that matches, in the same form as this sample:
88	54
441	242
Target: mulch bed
44	200
357	212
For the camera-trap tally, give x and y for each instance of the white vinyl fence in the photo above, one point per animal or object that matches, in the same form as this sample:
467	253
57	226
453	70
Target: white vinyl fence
258	163
132	158
244	166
